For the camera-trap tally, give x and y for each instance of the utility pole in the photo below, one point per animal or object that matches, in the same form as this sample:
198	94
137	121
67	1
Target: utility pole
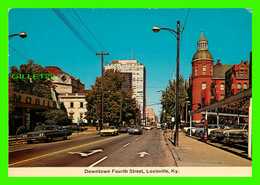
102	94
176	134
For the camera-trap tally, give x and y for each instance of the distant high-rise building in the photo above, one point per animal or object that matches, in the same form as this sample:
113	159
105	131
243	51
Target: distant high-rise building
134	71
151	116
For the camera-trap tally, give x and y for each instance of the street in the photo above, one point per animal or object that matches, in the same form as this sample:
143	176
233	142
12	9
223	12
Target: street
124	150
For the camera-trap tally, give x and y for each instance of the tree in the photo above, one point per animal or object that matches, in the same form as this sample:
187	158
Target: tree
117	103
38	87
57	117
168	100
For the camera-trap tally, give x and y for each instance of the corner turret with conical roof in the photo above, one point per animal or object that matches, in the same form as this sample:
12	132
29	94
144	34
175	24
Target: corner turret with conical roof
202	73
202	49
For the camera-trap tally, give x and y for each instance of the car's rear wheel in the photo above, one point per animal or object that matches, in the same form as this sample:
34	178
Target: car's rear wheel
29	141
65	137
48	139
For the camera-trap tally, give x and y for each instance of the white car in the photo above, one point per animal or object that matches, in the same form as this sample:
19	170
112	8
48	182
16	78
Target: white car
147	127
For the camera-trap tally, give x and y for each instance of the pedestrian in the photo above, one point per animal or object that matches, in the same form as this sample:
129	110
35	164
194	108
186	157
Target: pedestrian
165	127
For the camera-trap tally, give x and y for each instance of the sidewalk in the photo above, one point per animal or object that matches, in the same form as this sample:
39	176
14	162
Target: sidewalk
13	141
191	152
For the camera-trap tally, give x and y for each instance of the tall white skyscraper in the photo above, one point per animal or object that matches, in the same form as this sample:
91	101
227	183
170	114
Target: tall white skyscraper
138	79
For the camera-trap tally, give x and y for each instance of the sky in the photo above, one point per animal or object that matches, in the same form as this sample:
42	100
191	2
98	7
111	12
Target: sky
127	33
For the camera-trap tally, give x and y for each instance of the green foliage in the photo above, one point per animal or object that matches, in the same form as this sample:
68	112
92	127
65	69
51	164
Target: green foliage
37	87
57	117
168	100
116	102
21	130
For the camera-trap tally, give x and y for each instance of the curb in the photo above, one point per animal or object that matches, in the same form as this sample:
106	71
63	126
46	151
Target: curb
13	141
174	154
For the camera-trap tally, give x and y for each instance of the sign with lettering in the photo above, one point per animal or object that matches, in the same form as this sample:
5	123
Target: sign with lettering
30	100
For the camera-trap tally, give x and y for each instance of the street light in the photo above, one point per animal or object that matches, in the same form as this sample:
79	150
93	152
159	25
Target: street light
177	35
22	35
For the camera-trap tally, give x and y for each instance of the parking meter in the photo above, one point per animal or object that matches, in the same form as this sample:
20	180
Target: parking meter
205	130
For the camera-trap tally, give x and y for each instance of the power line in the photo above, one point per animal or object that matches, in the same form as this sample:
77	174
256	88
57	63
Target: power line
186	19
18	53
185	23
89	30
73	29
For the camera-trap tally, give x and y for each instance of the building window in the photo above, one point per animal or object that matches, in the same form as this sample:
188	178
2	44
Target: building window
222	87
239	86
71	104
204	69
196	70
222	97
245	86
81	104
81	115
204	85
211	70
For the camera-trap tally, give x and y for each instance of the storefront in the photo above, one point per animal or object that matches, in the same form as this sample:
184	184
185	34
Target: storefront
26	110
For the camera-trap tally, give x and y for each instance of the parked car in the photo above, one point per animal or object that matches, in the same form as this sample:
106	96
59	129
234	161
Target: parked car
46	133
122	129
210	129
187	129
159	126
110	130
135	129
238	134
197	128
218	134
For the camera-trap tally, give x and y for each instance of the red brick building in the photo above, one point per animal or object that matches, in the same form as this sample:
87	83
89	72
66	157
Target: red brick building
237	78
210	83
202	73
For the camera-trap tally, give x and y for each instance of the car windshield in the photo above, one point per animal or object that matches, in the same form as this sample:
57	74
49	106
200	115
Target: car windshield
110	127
40	128
240	126
134	126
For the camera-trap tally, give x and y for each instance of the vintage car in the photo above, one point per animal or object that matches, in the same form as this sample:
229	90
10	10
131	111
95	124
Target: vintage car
109	130
218	134
239	134
197	129
211	128
135	129
147	127
122	129
46	133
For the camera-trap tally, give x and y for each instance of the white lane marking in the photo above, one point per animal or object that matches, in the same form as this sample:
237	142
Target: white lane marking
126	145
137	138
21	149
142	154
99	161
88	154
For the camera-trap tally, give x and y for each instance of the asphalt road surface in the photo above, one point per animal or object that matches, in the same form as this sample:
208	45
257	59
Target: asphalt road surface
146	150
